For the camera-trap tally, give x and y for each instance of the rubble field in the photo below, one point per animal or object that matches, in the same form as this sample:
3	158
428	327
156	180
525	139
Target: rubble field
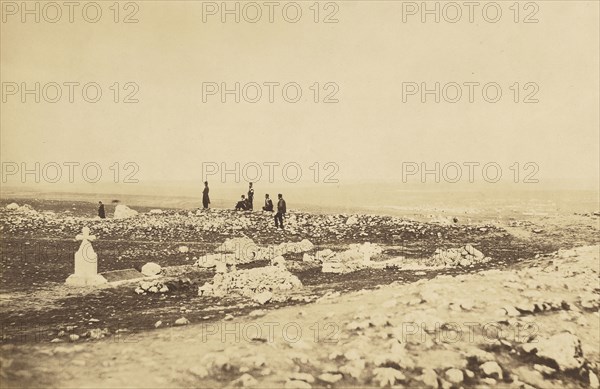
360	277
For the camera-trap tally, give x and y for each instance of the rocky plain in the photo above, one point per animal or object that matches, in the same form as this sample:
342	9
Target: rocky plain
335	300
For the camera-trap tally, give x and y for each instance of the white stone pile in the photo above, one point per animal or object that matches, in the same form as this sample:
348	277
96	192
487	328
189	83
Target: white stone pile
243	250
258	283
25	208
155	286
463	257
124	212
358	256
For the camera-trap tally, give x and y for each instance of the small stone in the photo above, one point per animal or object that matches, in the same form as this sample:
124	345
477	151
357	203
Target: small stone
151	269
257	313
491	369
74	337
263	298
228	317
158	324
330	378
387	376
489	381
182	321
455	376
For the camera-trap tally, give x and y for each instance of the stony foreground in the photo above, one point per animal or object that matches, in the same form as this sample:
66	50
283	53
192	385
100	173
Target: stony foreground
536	326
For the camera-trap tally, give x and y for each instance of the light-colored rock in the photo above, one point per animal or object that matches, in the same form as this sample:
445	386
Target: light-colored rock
12	206
387	376
429	378
563	348
278	261
352	220
302	377
182	321
263	297
183	249
122	211
151	269
454	376
491	369
330	378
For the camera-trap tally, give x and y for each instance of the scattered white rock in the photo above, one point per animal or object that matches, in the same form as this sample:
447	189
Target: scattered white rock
182	321
151	269
387	376
330	378
263	297
122	211
564	349
454	376
352	220
491	369
463	257
302	377
251	282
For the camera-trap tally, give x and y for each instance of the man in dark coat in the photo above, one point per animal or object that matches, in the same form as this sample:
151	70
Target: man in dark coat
250	197
281	209
268	204
205	198
101	212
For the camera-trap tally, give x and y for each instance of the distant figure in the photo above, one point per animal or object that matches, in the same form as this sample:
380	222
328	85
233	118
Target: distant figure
101	212
250	197
242	205
205	198
280	211
268	204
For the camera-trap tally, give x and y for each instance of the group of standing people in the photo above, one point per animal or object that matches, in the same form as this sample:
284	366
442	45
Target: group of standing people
247	203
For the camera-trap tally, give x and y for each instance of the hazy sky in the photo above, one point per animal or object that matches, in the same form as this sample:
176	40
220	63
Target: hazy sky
369	53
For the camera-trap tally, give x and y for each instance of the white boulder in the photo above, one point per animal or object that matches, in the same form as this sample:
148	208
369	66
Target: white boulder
123	212
151	269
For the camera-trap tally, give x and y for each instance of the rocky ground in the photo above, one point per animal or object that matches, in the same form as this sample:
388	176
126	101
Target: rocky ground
447	303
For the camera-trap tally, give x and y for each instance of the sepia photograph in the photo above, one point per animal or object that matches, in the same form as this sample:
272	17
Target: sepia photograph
300	194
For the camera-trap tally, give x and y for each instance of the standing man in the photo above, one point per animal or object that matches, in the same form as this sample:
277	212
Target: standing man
250	197
280	211
101	212
205	198
268	204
